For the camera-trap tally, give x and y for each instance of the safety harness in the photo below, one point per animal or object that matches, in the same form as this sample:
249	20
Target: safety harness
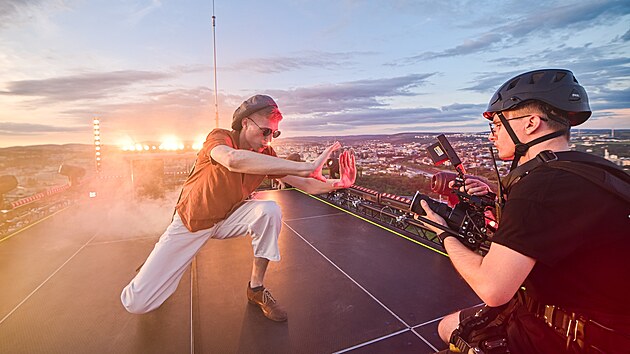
579	330
521	148
595	169
485	332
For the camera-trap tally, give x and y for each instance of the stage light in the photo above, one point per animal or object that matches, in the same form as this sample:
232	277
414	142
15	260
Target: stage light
97	143
198	144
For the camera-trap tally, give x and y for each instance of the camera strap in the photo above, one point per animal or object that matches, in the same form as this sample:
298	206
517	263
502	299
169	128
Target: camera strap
595	169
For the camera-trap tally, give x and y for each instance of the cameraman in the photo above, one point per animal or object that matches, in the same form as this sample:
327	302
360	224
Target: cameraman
561	236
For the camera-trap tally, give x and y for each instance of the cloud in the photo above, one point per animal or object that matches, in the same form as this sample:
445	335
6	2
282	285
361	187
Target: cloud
603	74
312	59
468	47
81	86
607	99
344	107
320	108
185	112
489	82
138	14
190	111
464	115
11	128
18	11
541	21
348	96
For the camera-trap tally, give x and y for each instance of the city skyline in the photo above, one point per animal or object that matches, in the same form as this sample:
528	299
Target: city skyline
145	68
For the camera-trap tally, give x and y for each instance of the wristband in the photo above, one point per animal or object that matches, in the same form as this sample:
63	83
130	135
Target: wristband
443	235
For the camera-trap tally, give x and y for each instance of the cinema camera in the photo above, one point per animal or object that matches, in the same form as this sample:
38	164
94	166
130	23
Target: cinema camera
470	219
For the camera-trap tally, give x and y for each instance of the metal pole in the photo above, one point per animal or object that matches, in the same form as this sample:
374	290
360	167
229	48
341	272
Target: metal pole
214	44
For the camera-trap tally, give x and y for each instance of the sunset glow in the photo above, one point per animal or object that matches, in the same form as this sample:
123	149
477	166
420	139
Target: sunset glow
424	68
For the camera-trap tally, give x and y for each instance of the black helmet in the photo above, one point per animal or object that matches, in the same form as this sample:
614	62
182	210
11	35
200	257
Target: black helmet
556	87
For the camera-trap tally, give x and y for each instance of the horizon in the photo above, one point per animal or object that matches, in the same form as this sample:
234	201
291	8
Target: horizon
90	144
145	68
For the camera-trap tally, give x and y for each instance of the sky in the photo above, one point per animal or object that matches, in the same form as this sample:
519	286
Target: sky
338	67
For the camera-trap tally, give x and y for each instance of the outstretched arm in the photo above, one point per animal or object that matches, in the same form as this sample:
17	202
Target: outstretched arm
244	161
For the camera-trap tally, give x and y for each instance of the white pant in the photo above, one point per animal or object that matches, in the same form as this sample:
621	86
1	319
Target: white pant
159	276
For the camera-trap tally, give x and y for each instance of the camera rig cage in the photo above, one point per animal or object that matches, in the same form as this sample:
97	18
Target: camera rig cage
470	220
399	213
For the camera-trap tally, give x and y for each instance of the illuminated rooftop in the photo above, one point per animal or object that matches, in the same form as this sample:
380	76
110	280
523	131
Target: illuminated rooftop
348	283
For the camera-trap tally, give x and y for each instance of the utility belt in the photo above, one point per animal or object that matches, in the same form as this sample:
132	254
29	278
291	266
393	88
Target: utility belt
482	331
589	335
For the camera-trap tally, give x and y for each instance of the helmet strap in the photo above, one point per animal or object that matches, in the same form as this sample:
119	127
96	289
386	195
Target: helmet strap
520	149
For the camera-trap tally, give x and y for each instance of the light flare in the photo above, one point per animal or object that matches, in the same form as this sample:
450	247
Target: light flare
171	143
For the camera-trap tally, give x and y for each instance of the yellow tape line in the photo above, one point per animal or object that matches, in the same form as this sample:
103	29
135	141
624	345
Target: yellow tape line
373	223
35	223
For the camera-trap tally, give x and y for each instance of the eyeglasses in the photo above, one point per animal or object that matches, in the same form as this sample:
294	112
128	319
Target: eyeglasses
494	127
267	131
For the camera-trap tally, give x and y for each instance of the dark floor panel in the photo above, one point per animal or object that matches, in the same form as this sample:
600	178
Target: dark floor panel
429	332
78	310
30	256
295	204
416	283
406	342
327	312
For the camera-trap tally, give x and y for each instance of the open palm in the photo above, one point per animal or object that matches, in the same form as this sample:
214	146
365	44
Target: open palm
347	170
321	160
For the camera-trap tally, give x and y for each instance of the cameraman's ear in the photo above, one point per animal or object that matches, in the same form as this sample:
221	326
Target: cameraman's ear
533	124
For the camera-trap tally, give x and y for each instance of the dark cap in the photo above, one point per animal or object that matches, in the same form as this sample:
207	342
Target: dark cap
249	107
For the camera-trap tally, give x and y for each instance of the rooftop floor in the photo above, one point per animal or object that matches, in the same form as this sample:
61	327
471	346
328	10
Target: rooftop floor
348	285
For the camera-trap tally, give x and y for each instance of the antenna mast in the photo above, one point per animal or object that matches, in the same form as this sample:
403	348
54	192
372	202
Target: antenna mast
214	45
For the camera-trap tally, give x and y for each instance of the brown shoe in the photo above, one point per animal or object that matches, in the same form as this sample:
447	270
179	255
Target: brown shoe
267	304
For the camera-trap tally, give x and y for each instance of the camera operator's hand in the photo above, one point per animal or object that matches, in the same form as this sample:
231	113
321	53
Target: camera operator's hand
472	186
431	215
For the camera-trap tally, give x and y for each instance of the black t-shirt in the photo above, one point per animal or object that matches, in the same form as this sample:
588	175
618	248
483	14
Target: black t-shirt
579	234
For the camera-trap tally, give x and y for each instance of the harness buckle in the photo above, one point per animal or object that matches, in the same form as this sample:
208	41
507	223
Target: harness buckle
575	329
548	315
547	156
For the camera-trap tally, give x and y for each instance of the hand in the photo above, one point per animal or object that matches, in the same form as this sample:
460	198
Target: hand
431	215
472	186
347	170
321	160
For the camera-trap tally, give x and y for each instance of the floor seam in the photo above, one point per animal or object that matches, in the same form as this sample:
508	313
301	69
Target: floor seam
47	279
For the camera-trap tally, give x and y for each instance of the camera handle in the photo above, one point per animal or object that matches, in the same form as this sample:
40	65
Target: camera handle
424	219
